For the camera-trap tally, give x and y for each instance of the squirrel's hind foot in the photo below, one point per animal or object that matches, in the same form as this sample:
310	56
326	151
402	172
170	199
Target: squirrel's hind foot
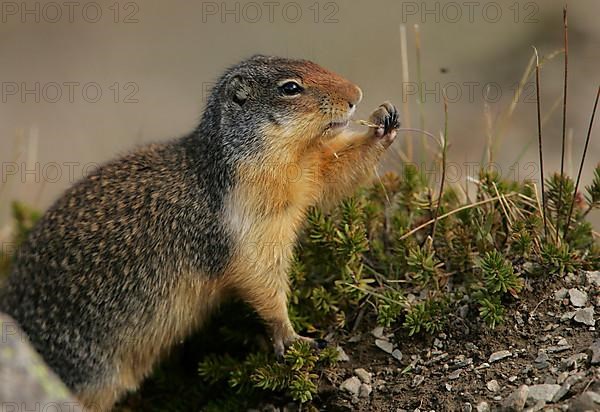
280	345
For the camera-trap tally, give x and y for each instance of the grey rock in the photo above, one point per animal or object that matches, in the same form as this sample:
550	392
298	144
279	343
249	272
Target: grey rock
558	348
342	355
541	362
593	352
537	407
593	278
455	375
565	387
570	278
519	319
461	363
378	332
577	297
594	396
437	359
544	392
493	385
562	377
515	402
463	311
568	315
483	407
585	316
584	403
364	391
467	407
417	380
363	375
560	294
496	356
379	384
384	345
351	385
572	361
26	382
397	354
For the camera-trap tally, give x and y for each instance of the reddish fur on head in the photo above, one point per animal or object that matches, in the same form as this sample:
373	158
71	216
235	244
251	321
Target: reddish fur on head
325	105
252	103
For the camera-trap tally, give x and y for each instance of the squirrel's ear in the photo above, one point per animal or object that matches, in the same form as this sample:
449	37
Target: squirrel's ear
238	90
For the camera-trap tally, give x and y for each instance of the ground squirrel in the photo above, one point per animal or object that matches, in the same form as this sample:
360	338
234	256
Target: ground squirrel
132	258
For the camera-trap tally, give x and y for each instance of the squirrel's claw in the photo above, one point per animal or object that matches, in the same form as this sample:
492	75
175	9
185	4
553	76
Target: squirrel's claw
386	116
280	345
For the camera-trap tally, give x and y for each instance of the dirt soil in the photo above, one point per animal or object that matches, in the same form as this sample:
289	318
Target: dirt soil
452	372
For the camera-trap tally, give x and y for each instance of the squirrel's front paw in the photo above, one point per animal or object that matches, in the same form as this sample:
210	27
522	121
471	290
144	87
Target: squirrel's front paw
386	116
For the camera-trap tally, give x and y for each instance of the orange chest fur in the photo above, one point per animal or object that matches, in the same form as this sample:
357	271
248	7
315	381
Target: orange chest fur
267	209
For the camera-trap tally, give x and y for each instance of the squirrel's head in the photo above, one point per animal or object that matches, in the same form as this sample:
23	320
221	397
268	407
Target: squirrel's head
280	103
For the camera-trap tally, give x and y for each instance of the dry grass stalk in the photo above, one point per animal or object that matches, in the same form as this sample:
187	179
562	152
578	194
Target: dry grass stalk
583	156
564	123
540	148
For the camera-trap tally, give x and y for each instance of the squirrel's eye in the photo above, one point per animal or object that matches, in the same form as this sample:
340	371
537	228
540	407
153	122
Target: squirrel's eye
290	89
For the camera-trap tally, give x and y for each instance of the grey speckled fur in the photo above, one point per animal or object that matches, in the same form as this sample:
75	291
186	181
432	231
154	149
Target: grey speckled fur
114	244
111	247
115	271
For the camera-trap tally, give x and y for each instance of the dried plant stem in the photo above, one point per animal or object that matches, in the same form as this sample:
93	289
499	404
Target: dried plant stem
444	139
368	124
537	198
385	192
420	100
401	129
501	201
534	138
424	132
505	117
373	293
452	212
405	81
564	123
583	156
539	124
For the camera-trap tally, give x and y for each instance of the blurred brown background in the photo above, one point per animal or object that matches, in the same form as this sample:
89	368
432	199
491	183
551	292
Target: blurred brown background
85	81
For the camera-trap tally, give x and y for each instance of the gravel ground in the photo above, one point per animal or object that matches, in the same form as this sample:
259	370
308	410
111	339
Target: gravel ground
544	357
